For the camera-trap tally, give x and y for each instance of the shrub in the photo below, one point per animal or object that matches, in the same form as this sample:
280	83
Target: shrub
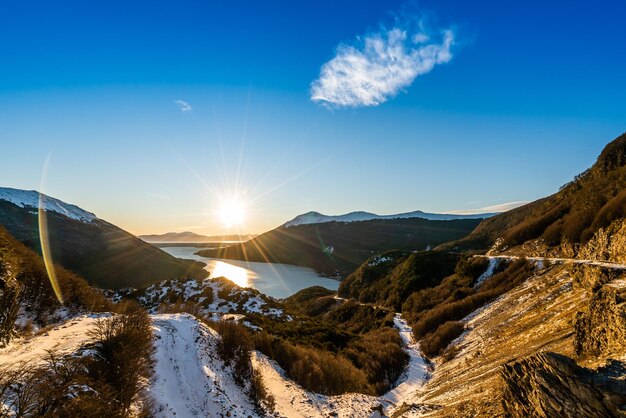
234	348
9	292
314	369
379	354
471	267
434	343
259	393
124	348
459	300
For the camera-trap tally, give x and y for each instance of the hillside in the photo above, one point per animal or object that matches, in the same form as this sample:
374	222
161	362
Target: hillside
338	248
565	222
104	254
27	299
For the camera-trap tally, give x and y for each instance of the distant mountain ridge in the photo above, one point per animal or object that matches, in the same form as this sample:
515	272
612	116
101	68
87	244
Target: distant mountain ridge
192	237
359	216
101	252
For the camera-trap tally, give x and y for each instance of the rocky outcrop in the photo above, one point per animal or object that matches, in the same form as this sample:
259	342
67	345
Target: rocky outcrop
553	385
601	328
607	244
592	278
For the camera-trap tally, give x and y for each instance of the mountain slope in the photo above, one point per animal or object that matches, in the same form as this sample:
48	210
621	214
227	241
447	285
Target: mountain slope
566	220
99	251
340	247
318	218
26	295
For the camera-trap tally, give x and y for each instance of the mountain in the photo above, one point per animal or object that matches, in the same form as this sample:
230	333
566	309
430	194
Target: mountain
192	237
534	328
317	218
102	253
337	248
567	222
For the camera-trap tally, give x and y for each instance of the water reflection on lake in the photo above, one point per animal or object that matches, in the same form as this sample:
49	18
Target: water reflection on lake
273	279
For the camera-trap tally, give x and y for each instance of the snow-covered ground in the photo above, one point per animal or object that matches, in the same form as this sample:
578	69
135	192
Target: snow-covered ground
190	378
493	264
30	199
416	373
206	293
63	338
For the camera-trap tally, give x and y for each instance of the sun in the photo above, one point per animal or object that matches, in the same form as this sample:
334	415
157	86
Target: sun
231	213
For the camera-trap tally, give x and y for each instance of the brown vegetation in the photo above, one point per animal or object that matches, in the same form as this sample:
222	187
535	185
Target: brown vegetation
104	384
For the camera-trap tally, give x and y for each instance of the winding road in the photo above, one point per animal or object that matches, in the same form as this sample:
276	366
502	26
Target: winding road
606	264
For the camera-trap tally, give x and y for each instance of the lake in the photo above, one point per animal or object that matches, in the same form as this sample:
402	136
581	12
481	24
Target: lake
276	280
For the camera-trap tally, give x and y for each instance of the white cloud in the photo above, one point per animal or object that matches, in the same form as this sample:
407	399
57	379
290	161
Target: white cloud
379	67
502	207
183	106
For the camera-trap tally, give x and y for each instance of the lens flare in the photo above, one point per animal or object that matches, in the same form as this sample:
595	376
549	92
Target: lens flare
43	238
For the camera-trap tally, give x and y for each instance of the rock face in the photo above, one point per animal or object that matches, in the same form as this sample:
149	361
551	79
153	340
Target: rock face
552	385
601	328
607	244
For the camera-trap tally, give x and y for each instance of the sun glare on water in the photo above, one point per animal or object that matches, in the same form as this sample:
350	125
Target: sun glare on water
237	275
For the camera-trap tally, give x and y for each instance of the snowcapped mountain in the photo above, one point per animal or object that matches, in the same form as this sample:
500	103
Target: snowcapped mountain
30	199
318	218
99	251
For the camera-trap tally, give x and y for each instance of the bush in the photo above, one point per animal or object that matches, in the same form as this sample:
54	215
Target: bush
234	348
124	348
9	293
259	393
434	343
380	355
314	369
452	300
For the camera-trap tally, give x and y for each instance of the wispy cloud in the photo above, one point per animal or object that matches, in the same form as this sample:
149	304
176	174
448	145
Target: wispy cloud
183	106
378	66
158	196
502	207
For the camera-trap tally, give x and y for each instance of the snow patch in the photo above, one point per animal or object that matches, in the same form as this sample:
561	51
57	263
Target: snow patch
417	372
63	338
30	199
493	264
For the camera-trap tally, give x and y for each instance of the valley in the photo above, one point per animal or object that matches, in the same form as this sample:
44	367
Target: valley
494	319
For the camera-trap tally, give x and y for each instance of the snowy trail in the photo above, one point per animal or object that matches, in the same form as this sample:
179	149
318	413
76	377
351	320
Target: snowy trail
416	373
607	264
190	379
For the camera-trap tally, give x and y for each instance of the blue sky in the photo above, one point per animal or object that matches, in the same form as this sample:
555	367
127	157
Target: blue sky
526	97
